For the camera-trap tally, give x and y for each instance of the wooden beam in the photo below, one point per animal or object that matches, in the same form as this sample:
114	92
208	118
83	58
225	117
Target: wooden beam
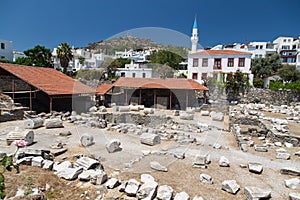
13	89
126	98
186	99
154	98
50	106
140	97
170	100
30	100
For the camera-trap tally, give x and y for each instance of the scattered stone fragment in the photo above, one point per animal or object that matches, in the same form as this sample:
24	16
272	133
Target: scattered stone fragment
205	178
178	154
112	183
124	108
93	109
69	173
150	139
87	140
65	133
201	161
61	166
33	123
293	183
86	175
145	178
182	196
290	171
224	162
132	187
48	164
230	186
148	111
217	146
87	163
284	156
147	191
186	116
26	135
57	152
278	144
37	161
260	148
113	146
294	196
255	167
216	116
288	145
297	153
157	166
204	113
255	193
54	123
164	192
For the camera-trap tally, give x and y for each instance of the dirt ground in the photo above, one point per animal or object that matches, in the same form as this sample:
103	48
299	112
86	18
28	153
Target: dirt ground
181	176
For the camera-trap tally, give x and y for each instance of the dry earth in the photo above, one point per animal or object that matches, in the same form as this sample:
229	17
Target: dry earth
181	175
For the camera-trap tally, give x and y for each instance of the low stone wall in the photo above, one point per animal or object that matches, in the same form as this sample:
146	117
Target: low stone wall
270	97
14	114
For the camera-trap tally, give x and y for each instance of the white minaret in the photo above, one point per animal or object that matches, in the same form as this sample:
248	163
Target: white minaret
194	37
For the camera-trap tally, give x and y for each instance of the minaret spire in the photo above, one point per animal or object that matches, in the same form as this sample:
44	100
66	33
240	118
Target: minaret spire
194	37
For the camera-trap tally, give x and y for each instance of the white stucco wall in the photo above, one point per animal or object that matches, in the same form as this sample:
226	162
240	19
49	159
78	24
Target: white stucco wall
7	51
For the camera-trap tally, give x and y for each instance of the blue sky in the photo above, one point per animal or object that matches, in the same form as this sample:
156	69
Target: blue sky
37	22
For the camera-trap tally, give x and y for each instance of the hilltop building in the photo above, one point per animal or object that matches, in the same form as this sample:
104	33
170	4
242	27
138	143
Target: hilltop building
91	60
216	62
6	50
135	70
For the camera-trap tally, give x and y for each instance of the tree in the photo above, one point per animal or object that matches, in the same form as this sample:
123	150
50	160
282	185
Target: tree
81	60
165	57
289	73
64	53
264	67
235	83
39	56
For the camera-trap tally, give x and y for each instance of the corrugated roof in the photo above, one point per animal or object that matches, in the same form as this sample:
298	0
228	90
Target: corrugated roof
159	83
104	88
48	80
220	52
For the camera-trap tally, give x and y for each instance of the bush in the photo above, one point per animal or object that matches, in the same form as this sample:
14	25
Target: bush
89	74
276	85
258	83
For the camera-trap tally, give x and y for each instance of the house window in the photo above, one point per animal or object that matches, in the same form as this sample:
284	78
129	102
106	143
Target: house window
133	75
195	76
217	63
195	62
230	62
204	76
144	75
2	45
241	62
204	62
122	74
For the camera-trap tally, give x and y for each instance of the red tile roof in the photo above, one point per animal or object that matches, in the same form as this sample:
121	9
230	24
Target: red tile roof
220	52
158	83
48	80
104	88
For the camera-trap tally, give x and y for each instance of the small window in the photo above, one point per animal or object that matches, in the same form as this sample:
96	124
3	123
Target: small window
133	75
195	62
195	76
230	62
122	74
204	62
217	63
2	45
204	76
241	62
144	75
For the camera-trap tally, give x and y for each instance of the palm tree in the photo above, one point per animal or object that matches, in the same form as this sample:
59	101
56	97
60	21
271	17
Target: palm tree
64	53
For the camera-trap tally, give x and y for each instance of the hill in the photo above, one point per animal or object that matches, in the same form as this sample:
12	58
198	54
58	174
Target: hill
109	47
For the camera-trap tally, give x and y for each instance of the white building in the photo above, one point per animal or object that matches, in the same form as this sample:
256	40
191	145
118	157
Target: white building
18	54
288	49
134	70
138	56
6	50
261	49
91	60
216	62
